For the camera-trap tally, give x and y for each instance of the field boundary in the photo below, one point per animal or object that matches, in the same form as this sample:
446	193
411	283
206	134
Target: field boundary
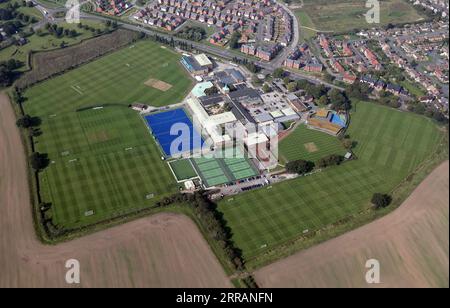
399	194
31	62
43	237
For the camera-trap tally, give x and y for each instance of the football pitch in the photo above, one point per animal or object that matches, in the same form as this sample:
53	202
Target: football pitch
307	144
104	161
118	78
391	144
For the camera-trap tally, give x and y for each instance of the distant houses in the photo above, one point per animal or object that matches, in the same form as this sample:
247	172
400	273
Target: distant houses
380	85
302	59
266	53
113	7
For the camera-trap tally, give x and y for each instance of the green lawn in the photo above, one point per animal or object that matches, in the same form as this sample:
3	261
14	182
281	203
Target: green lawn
104	159
413	88
31	11
53	3
115	79
346	15
305	21
390	146
47	42
307	144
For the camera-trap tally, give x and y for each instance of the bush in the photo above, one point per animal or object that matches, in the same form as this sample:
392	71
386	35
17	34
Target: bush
381	200
331	160
300	166
278	73
39	161
26	121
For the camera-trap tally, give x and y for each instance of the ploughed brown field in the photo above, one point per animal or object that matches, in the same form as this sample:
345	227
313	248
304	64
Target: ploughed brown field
164	250
412	245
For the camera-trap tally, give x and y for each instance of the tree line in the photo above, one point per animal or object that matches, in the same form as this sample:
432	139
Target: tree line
7	74
215	225
192	33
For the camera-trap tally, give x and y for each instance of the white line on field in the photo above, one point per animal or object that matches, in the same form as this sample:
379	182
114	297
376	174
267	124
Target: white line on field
77	90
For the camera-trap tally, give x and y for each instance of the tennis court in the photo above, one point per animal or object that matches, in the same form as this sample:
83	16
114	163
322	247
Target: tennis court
161	125
220	170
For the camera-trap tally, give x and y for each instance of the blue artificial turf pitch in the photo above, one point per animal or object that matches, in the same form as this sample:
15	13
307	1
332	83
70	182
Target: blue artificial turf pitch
176	120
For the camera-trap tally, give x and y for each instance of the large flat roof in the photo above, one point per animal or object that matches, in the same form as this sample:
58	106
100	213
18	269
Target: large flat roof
199	88
203	60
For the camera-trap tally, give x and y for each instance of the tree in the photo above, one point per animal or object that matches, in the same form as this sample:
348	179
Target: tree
347	143
299	166
329	78
315	91
330	160
6	76
266	88
358	90
252	67
339	100
39	161
234	40
323	100
278	73
27	121
381	200
292	86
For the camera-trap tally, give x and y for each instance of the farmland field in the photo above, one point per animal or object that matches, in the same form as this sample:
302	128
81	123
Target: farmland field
104	161
308	144
411	244
391	145
346	15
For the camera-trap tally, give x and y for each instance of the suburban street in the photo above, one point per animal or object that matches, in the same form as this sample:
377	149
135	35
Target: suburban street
268	67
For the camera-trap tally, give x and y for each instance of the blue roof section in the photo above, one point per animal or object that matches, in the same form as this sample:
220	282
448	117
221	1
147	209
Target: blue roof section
190	64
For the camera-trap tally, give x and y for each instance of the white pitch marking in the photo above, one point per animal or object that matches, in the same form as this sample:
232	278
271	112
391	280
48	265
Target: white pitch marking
77	90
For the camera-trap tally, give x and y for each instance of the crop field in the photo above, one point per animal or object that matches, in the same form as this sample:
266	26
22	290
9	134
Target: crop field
308	144
104	161
411	244
346	15
391	144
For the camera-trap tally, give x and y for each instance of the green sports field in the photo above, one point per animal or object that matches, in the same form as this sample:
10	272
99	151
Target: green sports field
114	79
183	169
347	15
104	161
307	144
391	144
